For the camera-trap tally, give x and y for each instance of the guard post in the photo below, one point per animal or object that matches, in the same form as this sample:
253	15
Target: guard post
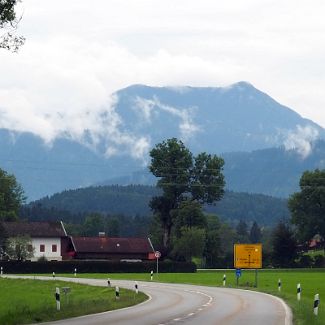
117	293
316	304
298	291
57	298
136	287
151	275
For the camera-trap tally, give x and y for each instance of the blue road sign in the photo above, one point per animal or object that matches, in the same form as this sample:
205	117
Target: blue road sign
238	273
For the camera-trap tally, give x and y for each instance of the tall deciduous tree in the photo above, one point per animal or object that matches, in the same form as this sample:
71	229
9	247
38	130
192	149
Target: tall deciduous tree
11	196
183	177
190	244
8	25
308	206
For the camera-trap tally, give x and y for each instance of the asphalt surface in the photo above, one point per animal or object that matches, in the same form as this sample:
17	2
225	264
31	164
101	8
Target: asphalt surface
189	304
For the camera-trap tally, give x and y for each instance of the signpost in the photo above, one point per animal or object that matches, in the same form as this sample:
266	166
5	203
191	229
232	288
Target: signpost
157	255
238	274
248	256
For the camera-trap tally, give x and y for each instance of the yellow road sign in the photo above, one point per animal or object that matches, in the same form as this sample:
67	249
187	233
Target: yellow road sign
248	256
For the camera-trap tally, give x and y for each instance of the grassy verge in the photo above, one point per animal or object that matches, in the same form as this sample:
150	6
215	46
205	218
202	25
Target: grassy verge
30	301
312	282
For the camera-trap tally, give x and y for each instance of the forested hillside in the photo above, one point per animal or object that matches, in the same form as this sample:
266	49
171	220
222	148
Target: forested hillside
132	200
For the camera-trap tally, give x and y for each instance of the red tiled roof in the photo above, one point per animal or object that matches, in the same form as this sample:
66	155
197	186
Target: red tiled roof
111	245
34	229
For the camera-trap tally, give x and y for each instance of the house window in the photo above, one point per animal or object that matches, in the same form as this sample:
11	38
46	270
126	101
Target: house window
42	248
54	248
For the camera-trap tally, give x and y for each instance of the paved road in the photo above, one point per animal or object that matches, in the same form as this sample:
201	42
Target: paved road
189	304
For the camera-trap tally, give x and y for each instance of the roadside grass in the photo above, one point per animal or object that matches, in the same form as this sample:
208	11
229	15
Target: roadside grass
312	281
30	301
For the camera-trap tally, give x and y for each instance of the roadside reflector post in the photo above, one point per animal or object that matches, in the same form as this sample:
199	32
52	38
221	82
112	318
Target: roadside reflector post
316	304
1	271
151	275
298	292
117	293
279	285
256	278
53	274
108	282
57	298
75	272
224	280
136	287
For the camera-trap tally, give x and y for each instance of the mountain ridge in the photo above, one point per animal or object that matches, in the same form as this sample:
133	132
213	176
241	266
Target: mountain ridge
212	119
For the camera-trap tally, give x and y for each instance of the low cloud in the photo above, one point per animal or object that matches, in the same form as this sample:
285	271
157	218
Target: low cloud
301	140
152	107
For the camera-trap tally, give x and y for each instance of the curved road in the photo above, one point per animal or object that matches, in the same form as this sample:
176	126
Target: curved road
189	304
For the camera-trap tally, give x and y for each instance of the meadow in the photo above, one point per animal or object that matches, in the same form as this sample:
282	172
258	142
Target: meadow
31	301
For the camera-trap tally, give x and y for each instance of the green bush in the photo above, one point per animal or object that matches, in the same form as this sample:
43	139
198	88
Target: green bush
305	261
319	261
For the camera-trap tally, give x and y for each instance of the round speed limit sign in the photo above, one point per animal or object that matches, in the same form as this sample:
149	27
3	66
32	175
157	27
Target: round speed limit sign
157	254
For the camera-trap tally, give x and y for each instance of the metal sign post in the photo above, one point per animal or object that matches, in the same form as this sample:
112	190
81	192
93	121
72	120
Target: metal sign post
248	256
157	255
238	274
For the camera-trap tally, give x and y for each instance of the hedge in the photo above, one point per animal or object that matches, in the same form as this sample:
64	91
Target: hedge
94	267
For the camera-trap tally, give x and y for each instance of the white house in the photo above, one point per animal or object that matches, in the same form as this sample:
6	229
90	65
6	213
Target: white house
49	239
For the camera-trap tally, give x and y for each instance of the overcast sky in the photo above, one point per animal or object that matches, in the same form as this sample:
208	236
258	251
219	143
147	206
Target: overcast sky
78	52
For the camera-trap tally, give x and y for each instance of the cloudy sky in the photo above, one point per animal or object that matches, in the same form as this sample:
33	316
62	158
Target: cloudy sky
78	52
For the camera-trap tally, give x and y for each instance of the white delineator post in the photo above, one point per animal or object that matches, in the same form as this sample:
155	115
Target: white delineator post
224	280
298	292
75	272
1	271
53	274
57	298
151	275
136	287
316	304
117	293
108	282
279	285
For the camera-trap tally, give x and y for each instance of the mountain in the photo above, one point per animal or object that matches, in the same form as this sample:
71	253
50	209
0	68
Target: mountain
234	118
274	171
133	200
217	120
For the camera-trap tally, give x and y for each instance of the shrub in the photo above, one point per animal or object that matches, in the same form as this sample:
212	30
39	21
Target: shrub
319	261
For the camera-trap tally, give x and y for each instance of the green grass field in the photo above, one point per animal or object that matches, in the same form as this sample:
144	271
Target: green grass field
312	282
30	301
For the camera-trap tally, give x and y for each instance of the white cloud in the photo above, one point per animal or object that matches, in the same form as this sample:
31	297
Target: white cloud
301	140
78	53
187	127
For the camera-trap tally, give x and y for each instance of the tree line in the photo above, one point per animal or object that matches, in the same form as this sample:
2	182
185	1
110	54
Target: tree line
179	225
